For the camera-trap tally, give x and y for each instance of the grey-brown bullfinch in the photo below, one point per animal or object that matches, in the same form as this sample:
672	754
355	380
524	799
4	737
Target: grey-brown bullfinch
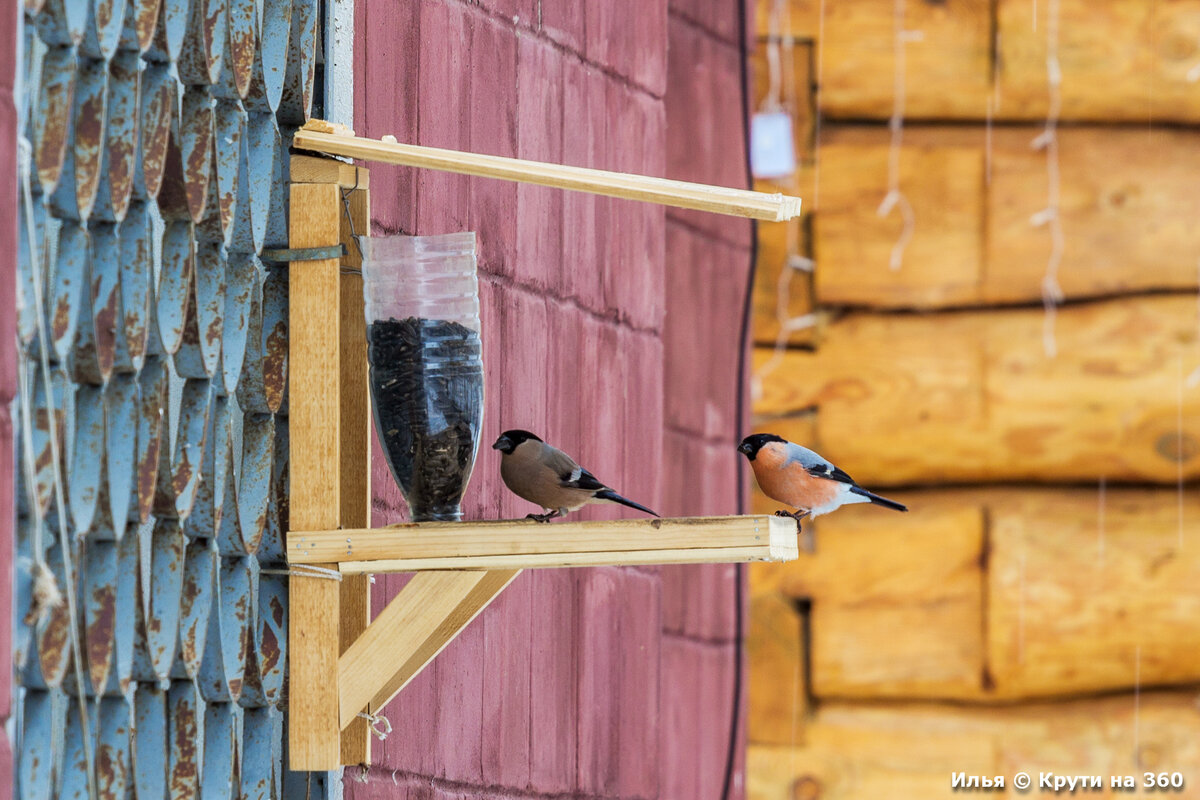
802	479
545	475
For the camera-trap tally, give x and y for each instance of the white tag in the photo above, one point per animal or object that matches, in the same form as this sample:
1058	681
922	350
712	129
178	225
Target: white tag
772	152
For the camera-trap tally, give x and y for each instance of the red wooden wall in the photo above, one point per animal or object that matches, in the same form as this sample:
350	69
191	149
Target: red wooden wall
611	329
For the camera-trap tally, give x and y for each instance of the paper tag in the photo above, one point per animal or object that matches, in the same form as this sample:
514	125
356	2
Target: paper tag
772	151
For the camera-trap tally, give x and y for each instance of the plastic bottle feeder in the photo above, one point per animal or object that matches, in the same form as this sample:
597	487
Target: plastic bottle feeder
421	298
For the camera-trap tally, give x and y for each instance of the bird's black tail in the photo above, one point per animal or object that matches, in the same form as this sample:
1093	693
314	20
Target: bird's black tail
613	497
879	501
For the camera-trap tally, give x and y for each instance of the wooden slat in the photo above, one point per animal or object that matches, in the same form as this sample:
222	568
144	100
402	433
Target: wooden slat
608	558
1127	226
912	750
1121	60
777	691
313	322
355	444
1073	609
875	570
681	194
972	397
424	617
318	169
468	545
947	72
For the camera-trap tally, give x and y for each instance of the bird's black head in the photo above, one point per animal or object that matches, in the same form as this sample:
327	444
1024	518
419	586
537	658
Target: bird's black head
753	443
509	440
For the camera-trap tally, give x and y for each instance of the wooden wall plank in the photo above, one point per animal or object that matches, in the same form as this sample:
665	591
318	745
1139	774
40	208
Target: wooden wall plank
314	413
1073	608
1121	60
782	293
947	72
972	397
912	750
1127	226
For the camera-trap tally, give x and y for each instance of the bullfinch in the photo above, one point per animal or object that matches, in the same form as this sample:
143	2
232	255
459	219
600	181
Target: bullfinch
545	475
800	478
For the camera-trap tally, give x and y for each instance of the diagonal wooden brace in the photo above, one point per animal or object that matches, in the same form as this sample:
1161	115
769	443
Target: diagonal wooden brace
423	618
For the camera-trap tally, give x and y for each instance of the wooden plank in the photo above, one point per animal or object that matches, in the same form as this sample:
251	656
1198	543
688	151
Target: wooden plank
423	618
1121	61
942	177
875	570
1129	226
777	690
1075	608
319	169
681	194
968	397
912	750
469	543
313	314
355	443
608	558
947	71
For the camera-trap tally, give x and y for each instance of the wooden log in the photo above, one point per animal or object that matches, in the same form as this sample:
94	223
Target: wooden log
942	178
1080	604
1002	594
318	137
480	545
947	67
875	570
1127	226
912	750
777	690
951	397
315	410
1121	61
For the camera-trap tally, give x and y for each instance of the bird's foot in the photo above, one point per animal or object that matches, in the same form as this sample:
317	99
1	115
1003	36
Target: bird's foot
782	513
549	515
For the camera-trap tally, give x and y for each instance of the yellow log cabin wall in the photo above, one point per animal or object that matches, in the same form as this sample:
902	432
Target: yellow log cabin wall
1038	609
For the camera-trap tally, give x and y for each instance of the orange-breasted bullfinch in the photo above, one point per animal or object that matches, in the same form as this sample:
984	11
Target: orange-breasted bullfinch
545	475
798	477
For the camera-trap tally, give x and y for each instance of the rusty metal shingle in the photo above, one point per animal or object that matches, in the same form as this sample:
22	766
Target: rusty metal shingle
157	172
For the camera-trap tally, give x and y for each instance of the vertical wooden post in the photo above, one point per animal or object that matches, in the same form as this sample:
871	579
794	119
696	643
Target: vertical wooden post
314	325
355	468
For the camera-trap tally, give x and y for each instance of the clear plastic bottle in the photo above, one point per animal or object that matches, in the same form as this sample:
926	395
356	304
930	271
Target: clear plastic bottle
422	310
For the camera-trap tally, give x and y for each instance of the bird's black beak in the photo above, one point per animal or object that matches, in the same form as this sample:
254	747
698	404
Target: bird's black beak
744	449
503	444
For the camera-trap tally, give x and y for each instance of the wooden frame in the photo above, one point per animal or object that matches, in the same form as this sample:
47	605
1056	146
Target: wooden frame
343	664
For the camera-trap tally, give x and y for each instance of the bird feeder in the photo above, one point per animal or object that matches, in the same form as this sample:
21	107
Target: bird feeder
420	293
